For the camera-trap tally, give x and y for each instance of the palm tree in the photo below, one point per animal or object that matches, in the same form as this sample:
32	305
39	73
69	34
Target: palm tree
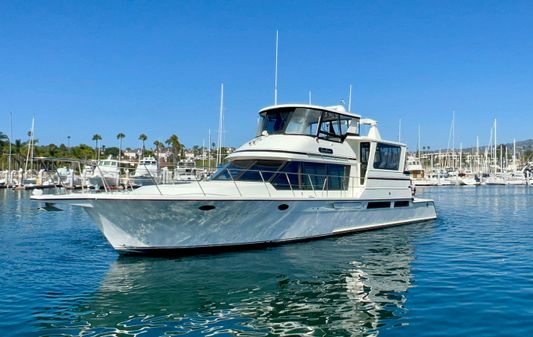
120	137
96	138
143	138
3	140
157	145
174	142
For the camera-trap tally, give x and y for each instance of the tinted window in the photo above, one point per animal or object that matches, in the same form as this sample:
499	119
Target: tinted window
312	176
378	204
266	167
387	157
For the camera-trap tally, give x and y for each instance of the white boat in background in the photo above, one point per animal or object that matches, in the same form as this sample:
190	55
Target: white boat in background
308	173
185	171
495	180
105	174
146	173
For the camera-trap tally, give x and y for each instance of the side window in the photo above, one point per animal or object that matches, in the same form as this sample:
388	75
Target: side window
329	127
267	168
287	177
311	176
387	157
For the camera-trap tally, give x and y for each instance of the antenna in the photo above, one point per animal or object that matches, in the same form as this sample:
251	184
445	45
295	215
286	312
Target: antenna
350	99
400	131
310	97
276	72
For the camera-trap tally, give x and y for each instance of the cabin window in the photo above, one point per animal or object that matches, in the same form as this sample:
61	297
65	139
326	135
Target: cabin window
401	203
287	175
309	122
387	157
378	204
248	170
312	176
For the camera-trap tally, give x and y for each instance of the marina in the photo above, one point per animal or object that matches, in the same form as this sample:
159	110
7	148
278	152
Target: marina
301	168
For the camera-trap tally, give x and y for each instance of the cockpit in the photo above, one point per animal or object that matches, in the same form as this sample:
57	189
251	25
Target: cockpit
307	121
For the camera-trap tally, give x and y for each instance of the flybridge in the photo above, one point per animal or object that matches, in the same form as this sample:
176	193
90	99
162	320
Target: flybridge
329	123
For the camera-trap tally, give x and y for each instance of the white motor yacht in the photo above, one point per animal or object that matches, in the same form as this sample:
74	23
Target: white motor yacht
105	174
185	171
146	173
308	174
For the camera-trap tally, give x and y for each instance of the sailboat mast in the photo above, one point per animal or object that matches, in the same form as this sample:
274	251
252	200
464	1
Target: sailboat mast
453	139
418	143
514	155
495	147
220	125
209	152
29	145
9	178
276	72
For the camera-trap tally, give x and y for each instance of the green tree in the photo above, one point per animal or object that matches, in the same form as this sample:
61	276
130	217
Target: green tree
96	138
174	142
120	137
143	138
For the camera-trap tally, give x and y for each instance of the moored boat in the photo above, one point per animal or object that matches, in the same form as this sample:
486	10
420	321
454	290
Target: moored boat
309	173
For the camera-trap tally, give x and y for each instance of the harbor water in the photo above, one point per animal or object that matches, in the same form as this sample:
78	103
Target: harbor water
468	273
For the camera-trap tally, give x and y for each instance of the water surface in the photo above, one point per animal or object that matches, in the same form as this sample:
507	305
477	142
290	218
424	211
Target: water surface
468	273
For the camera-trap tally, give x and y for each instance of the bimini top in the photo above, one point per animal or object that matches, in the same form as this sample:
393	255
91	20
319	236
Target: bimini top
331	123
338	109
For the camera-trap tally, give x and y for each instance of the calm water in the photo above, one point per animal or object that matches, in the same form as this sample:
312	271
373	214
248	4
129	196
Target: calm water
469	273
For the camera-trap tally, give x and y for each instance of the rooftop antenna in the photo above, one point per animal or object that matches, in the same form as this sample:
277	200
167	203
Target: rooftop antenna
220	125
309	97
350	99
400	131
276	72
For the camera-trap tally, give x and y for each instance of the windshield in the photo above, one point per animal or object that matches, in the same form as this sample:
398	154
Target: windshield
309	122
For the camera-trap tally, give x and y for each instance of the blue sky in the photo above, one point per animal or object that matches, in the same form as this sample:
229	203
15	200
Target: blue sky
155	67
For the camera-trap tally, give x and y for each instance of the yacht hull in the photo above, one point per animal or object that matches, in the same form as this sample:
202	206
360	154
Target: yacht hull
143	226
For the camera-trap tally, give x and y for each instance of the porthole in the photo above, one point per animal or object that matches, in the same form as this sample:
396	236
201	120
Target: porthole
283	207
206	207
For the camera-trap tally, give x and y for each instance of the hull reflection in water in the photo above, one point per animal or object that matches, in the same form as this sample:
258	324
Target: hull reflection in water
353	285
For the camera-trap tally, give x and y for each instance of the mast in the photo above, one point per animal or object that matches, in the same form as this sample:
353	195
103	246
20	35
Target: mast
514	155
220	125
477	154
460	157
495	148
209	152
418	143
453	139
276	72
203	154
29	145
9	178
